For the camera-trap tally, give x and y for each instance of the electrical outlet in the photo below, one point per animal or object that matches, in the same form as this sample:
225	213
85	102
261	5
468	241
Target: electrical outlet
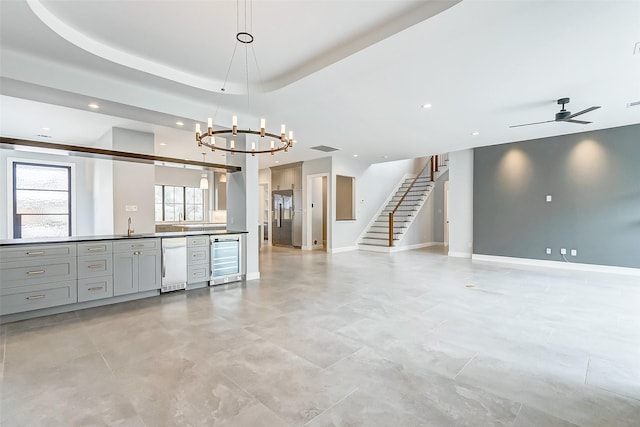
548	251
563	251
549	198
574	252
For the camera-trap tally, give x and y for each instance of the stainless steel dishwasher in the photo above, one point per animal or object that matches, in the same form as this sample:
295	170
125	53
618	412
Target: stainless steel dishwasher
226	259
174	264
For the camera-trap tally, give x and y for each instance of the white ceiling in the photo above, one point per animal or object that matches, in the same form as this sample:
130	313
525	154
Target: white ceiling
350	74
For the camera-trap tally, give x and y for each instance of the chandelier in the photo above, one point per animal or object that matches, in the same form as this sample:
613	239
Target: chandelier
278	141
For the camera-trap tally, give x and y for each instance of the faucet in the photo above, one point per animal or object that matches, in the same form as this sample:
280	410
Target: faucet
129	229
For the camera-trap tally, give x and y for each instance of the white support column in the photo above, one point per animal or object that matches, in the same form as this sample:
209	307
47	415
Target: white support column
242	204
461	203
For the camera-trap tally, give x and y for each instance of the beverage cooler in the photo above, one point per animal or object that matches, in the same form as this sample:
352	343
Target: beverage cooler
226	259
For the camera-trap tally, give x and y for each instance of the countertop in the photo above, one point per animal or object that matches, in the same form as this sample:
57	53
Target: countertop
74	239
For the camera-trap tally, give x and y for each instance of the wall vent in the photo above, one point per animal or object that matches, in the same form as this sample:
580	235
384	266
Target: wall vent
324	148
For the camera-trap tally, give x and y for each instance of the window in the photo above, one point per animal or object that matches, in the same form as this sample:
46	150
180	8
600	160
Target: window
41	200
179	203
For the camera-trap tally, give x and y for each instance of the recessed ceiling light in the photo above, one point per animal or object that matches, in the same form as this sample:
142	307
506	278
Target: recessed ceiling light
476	133
355	155
94	105
163	144
45	128
180	123
427	106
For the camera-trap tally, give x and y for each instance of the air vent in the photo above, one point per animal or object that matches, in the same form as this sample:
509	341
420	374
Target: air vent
44	136
324	148
633	104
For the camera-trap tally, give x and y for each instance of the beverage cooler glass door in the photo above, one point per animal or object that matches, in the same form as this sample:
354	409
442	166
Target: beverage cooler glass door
225	255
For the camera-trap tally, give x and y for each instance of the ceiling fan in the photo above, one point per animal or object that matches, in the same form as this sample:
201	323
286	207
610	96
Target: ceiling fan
564	115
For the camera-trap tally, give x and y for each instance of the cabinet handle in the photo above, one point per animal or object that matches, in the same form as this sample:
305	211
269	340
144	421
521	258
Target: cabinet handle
35	272
138	246
96	266
94	249
97	288
36	253
35	297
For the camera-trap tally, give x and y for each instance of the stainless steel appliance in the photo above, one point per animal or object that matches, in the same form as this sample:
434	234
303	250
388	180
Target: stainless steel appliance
282	231
174	264
226	259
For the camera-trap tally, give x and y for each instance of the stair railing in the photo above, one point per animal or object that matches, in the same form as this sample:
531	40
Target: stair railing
433	163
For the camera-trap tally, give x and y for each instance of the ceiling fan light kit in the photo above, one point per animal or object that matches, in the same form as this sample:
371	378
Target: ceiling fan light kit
564	115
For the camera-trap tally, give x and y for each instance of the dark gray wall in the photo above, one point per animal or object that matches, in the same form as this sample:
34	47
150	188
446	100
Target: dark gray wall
594	179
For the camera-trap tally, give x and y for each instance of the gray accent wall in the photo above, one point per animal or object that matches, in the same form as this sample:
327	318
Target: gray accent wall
594	181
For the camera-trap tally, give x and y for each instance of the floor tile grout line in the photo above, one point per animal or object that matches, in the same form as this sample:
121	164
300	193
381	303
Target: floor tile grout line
465	365
334	404
251	394
586	372
517	414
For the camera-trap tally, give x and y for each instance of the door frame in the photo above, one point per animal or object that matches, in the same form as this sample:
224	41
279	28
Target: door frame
307	243
446	213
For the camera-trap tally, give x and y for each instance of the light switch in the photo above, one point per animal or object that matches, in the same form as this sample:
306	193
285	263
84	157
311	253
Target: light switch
574	252
549	198
548	251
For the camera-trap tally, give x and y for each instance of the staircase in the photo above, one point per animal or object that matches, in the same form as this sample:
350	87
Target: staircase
377	235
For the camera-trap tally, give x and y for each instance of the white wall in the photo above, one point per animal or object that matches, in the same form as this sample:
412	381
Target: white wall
133	183
374	184
461	203
103	200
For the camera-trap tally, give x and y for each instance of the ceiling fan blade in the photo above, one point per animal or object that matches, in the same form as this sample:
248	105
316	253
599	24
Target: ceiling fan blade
582	122
581	112
529	124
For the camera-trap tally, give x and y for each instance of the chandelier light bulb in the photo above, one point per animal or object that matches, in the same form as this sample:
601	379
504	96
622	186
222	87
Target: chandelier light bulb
234	121
197	127
233	144
209	122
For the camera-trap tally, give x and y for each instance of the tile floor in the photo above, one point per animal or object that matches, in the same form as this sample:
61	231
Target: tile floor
408	339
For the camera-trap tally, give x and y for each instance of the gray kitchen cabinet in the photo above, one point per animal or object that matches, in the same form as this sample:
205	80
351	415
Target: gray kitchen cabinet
136	266
34	277
198	259
95	271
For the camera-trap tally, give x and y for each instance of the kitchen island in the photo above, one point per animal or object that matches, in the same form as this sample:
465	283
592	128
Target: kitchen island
43	276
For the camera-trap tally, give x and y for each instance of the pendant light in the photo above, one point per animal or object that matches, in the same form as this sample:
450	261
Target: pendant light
204	181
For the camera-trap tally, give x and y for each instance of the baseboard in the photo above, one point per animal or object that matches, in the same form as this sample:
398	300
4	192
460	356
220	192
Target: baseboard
416	246
253	276
558	264
345	249
307	248
386	249
459	254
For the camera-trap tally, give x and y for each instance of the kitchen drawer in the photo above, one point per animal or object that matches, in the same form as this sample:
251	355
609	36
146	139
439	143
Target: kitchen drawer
95	266
94	248
193	241
199	255
34	297
32	271
21	253
135	245
198	274
95	288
